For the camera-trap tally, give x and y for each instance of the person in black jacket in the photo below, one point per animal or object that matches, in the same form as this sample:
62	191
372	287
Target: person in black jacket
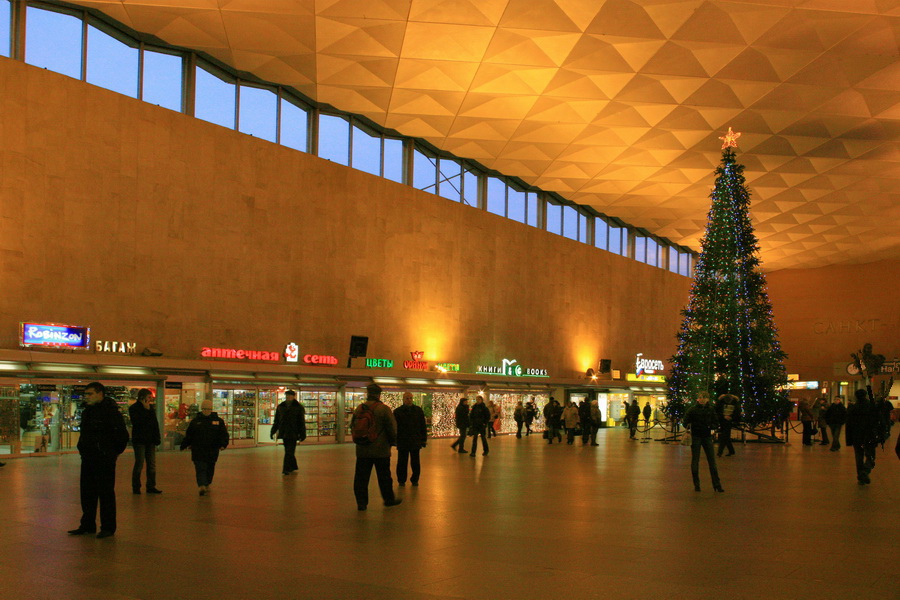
552	414
205	436
479	421
728	407
701	420
290	426
531	414
584	417
412	436
462	423
835	417
634	414
103	438
144	438
864	433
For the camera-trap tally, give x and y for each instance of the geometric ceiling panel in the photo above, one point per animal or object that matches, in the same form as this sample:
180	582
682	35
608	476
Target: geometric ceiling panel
614	104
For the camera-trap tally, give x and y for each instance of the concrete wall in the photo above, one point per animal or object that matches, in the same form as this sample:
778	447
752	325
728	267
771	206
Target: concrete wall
158	228
825	314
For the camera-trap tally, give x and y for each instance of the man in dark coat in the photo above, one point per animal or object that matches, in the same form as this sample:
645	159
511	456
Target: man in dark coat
375	453
531	413
584	417
462	423
205	436
864	433
290	426
479	420
835	417
412	436
103	438
634	413
144	438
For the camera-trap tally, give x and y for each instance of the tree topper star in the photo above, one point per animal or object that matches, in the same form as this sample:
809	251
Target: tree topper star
730	139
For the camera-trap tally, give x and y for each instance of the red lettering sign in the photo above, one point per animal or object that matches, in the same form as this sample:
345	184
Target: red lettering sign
318	359
239	354
415	365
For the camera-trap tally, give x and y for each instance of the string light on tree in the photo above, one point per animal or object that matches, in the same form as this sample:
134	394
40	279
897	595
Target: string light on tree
728	342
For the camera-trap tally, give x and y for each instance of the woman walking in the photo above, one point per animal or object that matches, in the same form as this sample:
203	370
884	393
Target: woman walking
701	421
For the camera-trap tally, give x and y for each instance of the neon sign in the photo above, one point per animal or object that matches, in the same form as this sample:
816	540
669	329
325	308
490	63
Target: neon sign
320	359
444	367
416	364
379	363
510	368
116	347
239	354
645	365
636	377
54	335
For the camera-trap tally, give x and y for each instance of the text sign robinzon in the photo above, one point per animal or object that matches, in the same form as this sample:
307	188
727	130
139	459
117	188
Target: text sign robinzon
53	335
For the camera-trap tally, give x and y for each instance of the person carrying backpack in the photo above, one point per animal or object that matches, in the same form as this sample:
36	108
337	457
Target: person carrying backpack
374	432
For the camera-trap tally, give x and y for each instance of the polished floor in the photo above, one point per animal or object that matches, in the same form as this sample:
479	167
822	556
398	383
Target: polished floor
528	521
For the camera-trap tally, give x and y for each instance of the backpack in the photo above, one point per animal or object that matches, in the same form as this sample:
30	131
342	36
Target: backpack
364	431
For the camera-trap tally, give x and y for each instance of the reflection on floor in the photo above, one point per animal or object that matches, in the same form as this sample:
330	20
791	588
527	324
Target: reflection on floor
528	521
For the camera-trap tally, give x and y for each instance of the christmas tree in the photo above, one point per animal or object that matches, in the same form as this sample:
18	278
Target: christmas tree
728	342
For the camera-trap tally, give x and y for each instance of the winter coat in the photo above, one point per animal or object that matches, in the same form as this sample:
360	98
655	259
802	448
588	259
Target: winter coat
205	435
290	421
634	412
836	414
462	417
722	410
385	426
519	414
584	412
103	432
412	431
648	412
479	417
701	419
144	426
530	412
863	424
596	416
570	416
804	410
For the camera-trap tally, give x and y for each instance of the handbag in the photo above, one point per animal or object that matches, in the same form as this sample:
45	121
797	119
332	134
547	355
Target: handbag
686	439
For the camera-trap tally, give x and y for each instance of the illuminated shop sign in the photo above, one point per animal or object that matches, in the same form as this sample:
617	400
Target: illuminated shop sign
379	363
636	377
801	385
319	359
55	335
510	369
292	353
647	366
445	367
240	354
115	347
416	364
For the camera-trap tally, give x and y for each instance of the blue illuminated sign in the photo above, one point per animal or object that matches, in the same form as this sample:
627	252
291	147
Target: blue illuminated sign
55	335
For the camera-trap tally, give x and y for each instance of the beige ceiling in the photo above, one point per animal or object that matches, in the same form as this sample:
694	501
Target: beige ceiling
615	104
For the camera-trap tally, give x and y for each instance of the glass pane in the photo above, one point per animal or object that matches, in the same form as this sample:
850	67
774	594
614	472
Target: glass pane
214	99
111	64
424	172
334	139
294	126
625	242
258	112
615	239
5	17
532	203
640	247
684	264
652	252
496	196
554	218
600	233
470	188
515	205
366	152
163	79
450	179
54	41
570	222
393	159
673	259
582	227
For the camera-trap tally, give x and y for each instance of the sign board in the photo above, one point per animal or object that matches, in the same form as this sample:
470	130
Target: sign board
54	335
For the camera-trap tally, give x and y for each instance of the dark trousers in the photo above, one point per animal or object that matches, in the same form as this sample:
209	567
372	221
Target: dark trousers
586	429
823	429
98	485
518	429
408	455
836	436
144	453
707	444
725	439
364	473
594	428
483	441
528	427
490	430
570	435
865	459
204	470
553	432
460	444
632	427
807	432
289	464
